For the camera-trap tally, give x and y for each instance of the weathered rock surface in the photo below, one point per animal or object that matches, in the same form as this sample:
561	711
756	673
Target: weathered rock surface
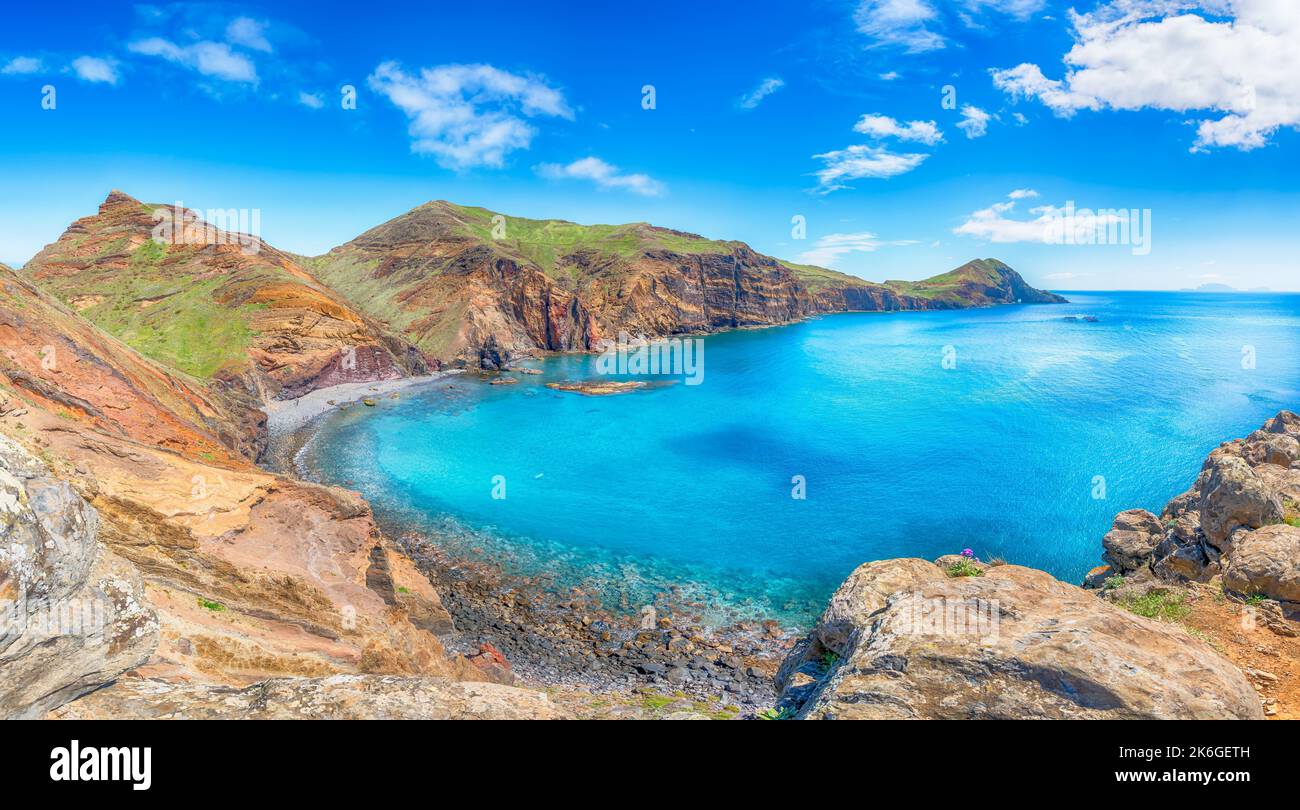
1267	562
1238	522
338	697
1012	643
73	616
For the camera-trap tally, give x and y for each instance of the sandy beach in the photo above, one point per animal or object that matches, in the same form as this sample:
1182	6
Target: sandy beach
286	416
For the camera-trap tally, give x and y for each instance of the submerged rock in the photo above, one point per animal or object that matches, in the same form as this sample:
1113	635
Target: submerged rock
597	388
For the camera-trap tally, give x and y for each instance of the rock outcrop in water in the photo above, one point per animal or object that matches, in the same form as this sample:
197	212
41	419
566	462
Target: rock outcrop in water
1238	524
902	639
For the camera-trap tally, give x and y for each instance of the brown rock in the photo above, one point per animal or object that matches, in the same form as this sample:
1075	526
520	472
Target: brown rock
1233	497
1133	536
1265	561
338	697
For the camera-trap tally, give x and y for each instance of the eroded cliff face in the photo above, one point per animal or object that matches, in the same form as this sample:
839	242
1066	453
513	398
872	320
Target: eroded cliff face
244	575
217	306
456	281
54	359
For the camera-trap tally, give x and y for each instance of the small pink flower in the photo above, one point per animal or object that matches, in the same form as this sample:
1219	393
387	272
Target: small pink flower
967	553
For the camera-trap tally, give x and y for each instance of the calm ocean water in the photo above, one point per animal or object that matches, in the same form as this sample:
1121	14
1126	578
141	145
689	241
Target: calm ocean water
1007	453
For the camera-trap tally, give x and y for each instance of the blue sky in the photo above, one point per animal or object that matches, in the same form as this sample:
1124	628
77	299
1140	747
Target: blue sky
897	129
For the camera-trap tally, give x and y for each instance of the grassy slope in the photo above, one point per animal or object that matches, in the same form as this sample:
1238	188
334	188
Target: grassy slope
545	241
164	310
948	286
185	328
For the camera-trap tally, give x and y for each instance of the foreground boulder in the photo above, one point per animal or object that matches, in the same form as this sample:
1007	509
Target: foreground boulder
338	697
72	615
903	640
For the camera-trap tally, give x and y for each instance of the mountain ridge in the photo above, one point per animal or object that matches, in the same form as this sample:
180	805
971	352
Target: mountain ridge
472	286
441	283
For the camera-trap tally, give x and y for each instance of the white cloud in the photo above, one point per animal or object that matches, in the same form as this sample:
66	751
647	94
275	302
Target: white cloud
829	249
974	121
858	161
249	33
21	65
917	25
215	59
1020	119
313	100
1020	9
882	126
603	175
1023	194
94	69
1233	61
765	88
890	76
468	115
900	23
1048	225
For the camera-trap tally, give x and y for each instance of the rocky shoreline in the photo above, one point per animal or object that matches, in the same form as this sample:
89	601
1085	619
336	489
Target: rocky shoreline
554	638
565	640
287	416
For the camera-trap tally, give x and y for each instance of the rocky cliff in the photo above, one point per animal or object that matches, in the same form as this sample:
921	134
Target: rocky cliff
122	489
1239	525
469	285
1197	616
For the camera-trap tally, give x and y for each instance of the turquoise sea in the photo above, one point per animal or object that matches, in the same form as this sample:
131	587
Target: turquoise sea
1040	426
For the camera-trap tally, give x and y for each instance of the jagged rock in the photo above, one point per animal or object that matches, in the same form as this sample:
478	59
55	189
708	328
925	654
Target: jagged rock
1266	561
1176	561
864	593
1233	497
1266	447
1230	522
1016	643
1133	536
1096	578
73	616
1285	422
338	697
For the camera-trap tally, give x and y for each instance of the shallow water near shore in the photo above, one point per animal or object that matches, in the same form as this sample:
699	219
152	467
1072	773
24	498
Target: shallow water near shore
1041	426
